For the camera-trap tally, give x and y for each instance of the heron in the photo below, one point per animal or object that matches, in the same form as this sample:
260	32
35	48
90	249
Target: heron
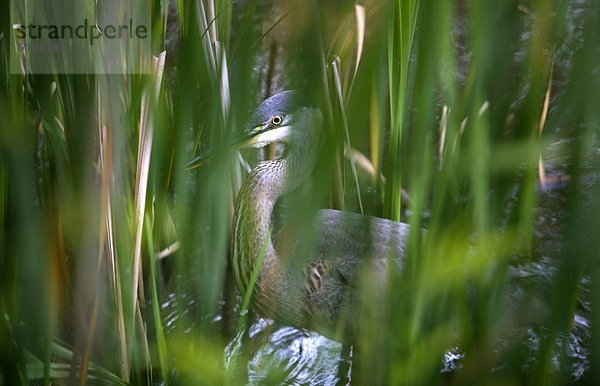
314	283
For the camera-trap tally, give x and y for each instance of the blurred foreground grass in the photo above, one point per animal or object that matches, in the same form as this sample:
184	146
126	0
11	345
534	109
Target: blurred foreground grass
461	104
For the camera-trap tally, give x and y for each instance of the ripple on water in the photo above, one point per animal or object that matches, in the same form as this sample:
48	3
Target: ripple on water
299	357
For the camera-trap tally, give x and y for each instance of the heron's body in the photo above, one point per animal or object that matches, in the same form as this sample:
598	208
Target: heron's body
313	280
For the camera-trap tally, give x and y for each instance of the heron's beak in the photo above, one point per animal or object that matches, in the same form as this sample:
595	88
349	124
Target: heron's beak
199	160
257	137
263	135
247	138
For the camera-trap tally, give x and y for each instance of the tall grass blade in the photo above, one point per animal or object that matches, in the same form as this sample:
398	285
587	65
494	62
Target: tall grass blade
348	145
161	341
402	24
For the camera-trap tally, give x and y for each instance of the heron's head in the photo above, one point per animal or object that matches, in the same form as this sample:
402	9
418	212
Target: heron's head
285	117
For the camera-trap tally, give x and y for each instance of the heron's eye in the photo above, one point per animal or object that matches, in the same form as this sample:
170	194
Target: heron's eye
276	120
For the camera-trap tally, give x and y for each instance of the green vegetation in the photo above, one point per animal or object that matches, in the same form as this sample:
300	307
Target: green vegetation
447	115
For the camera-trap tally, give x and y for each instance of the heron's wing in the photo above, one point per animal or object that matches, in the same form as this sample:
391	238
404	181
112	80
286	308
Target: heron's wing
341	247
347	240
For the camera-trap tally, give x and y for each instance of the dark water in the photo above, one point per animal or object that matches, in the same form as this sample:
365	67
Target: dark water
274	354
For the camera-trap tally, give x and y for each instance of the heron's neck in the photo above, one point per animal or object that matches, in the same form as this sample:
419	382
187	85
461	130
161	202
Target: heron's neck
268	181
